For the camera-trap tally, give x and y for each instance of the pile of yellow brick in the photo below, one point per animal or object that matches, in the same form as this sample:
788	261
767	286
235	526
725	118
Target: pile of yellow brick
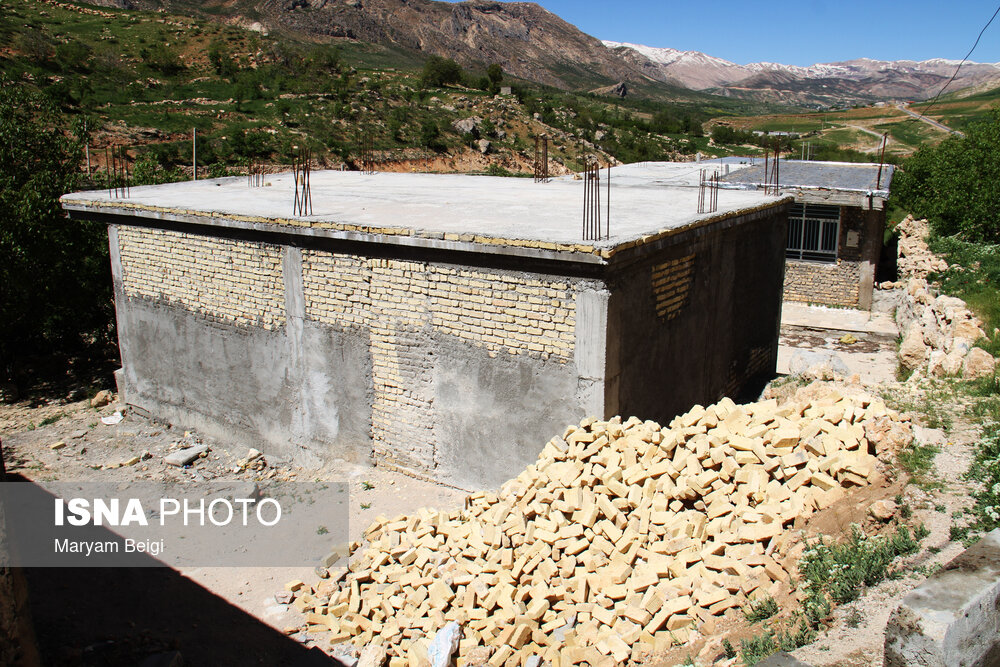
623	538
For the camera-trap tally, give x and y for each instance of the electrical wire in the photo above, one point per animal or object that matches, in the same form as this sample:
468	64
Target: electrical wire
924	111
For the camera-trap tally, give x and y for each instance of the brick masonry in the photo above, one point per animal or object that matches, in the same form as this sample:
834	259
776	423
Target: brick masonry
394	304
399	304
848	281
833	284
226	281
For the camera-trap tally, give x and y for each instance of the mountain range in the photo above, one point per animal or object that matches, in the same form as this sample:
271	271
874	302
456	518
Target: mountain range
532	43
824	84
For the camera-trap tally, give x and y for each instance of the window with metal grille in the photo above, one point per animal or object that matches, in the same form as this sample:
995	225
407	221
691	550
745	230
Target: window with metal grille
813	230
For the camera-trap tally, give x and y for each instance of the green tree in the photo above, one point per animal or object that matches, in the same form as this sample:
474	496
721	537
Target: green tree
430	136
956	184
495	74
55	282
440	71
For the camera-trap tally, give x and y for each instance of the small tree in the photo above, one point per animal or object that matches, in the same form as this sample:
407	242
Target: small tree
440	71
495	74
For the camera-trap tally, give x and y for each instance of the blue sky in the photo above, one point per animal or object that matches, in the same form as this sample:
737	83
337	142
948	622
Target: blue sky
794	33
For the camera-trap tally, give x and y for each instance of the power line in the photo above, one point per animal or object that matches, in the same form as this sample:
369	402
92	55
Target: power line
957	69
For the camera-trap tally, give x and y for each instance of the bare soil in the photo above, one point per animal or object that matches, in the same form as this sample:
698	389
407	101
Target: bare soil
215	615
212	616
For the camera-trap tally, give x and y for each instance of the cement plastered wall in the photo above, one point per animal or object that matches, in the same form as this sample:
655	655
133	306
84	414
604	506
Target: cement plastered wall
440	370
457	353
698	319
213	335
447	364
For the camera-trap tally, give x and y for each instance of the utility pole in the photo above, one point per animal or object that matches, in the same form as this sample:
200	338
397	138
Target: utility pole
86	145
194	152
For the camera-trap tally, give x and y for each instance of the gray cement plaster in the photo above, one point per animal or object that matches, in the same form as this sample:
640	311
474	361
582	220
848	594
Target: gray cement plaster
953	618
667	364
299	392
495	414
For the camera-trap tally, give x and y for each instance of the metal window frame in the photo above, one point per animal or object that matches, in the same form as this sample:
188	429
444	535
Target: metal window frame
801	213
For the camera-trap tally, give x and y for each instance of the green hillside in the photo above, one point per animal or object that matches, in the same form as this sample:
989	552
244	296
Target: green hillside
147	79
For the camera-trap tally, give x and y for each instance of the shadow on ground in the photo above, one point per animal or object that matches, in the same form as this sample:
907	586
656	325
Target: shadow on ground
112	617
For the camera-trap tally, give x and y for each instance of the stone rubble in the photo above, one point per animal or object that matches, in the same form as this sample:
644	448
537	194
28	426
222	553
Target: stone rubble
939	331
624	538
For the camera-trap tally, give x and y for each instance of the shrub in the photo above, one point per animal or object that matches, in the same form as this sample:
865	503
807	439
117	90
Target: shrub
956	184
55	282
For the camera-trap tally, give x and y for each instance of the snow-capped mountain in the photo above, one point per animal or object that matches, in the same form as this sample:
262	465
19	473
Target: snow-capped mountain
822	84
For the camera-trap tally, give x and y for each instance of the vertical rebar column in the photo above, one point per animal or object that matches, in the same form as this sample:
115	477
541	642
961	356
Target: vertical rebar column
715	191
194	153
366	147
591	200
301	162
607	220
119	185
542	158
701	191
777	161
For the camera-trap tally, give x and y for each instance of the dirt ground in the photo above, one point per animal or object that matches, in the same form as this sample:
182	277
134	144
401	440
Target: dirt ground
170	610
213	615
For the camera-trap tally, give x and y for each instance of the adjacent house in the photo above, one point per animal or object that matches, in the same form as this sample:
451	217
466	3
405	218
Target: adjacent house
835	227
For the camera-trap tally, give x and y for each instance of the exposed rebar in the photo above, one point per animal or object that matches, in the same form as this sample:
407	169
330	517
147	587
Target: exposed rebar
592	201
301	162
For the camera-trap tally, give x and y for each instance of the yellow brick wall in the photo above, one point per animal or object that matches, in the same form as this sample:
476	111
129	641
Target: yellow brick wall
500	312
672	285
835	284
400	303
234	282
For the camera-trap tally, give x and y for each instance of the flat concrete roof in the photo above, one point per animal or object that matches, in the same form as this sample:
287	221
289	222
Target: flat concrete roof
814	174
647	201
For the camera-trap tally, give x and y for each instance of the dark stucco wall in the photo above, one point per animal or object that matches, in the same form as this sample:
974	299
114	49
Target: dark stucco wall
720	334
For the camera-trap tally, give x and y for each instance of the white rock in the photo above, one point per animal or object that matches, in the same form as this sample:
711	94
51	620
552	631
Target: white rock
444	645
912	351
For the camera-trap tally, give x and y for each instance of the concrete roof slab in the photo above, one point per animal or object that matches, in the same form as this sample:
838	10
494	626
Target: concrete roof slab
645	201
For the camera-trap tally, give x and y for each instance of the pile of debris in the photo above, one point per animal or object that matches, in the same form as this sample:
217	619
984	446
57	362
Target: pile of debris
623	539
939	330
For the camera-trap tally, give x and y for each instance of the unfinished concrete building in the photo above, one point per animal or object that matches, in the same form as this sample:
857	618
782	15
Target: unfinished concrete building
440	325
835	227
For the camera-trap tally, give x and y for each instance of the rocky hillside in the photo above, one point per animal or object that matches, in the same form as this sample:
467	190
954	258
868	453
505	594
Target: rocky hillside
825	84
528	41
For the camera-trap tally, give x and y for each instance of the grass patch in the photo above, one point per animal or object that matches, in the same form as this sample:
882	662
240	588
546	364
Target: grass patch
832	574
838	573
52	419
760	610
973	276
985	471
917	461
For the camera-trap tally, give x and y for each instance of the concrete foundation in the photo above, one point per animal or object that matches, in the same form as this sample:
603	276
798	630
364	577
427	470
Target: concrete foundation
450	356
953	618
